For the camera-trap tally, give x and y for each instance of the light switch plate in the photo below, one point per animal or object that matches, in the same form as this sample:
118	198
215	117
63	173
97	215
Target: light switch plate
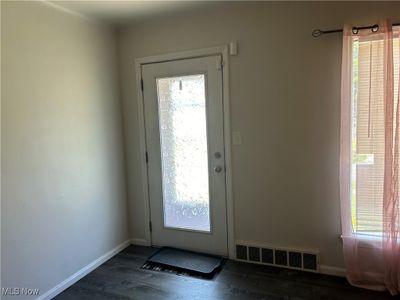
236	138
233	48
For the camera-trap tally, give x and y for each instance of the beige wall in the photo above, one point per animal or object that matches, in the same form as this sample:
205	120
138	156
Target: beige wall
63	186
285	93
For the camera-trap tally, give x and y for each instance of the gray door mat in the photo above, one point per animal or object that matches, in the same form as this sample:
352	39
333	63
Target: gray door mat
184	262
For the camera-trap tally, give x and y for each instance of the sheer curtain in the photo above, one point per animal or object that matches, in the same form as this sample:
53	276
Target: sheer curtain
369	157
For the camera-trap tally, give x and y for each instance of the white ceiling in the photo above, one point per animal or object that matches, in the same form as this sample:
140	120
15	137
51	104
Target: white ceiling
119	12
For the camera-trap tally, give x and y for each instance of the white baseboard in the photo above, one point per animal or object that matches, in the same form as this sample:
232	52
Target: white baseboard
140	242
335	271
82	272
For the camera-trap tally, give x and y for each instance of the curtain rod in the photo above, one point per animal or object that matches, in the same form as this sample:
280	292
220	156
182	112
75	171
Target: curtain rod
355	29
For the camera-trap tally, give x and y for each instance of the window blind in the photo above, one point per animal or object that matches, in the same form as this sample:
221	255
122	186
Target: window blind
368	110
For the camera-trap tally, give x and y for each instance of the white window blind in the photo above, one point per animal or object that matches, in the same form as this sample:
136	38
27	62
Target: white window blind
367	134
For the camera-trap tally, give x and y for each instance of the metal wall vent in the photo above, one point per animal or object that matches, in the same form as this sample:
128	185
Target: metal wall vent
254	254
241	252
278	256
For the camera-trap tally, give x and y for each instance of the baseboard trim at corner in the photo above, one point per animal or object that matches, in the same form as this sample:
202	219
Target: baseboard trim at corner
335	271
140	242
82	272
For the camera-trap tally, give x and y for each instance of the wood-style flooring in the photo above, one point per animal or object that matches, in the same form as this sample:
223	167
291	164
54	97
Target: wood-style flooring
122	278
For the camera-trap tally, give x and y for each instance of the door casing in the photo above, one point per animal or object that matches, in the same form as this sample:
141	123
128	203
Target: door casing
223	51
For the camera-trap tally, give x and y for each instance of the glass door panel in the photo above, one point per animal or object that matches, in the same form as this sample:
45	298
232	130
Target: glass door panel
184	152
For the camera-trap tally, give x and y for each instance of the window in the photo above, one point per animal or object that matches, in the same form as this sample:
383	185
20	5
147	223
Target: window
367	133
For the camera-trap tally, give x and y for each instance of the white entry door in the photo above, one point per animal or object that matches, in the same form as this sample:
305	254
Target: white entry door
184	120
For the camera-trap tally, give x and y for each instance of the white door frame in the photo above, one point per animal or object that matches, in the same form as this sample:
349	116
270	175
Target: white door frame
220	50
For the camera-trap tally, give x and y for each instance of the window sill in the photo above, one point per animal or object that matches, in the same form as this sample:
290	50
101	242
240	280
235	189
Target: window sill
366	241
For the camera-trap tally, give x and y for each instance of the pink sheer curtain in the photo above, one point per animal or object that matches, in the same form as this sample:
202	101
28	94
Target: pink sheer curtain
391	242
372	261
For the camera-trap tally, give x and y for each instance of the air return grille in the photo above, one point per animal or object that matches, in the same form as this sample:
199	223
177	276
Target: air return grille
278	256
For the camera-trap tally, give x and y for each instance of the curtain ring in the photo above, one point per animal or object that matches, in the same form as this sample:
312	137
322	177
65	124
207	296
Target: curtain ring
354	30
375	28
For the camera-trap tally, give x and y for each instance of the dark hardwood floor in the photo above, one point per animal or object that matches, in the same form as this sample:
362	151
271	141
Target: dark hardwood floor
122	278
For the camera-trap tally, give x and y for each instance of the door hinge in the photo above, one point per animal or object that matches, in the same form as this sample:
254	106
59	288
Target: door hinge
141	84
150	226
220	63
147	157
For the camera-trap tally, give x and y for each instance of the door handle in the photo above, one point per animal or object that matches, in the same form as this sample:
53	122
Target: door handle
218	169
